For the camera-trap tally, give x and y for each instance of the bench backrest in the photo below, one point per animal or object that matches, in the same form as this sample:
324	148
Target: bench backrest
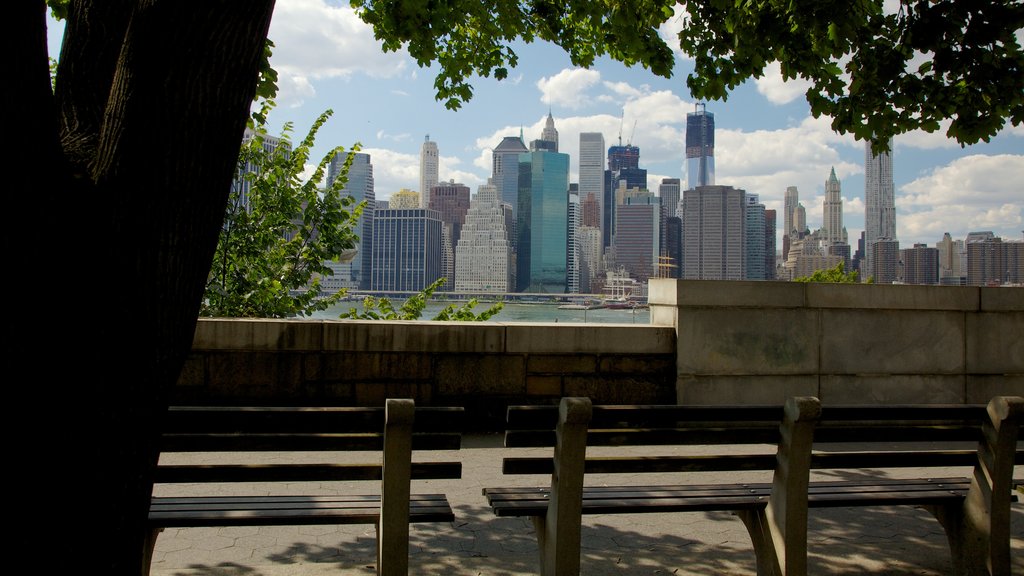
196	429
651	425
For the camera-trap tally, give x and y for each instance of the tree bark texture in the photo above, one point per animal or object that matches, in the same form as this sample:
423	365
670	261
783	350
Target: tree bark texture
123	219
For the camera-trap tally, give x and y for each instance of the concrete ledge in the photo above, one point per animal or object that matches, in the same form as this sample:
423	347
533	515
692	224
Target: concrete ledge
893	297
588	339
412	336
981	389
258	334
727	293
1002	299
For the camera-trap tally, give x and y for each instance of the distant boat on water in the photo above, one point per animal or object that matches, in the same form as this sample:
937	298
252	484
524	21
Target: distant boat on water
619	289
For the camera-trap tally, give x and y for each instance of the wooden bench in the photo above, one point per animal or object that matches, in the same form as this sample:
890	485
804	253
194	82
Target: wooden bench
395	431
974	509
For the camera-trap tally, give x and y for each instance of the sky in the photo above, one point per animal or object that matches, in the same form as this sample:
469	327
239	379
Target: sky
765	137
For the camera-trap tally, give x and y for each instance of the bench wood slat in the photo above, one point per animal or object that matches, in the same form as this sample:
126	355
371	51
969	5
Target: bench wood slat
299	442
187	474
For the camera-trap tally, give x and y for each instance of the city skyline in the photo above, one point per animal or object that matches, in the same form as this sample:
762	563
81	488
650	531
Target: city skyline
766	139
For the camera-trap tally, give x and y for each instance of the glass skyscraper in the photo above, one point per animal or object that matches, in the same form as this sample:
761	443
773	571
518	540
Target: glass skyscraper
356	274
542	216
700	148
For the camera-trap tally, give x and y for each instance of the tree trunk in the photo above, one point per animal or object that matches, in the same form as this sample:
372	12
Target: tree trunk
123	221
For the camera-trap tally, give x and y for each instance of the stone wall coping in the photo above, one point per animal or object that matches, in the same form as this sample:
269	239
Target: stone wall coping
777	294
314	335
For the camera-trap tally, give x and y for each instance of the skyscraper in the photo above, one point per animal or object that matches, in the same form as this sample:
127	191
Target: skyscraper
572	245
769	244
920	264
483	251
406	249
794	220
549	134
755	218
638	236
542	217
714	233
356	274
428	170
832	212
951	272
592	172
700	148
623	172
879	204
451	200
505	170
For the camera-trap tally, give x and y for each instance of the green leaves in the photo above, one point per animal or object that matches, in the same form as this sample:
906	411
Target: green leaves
412	309
836	275
280	231
864	66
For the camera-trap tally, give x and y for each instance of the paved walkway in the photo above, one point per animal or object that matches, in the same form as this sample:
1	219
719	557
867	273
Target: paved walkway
902	541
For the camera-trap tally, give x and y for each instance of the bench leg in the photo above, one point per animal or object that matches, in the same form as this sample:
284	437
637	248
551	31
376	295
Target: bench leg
147	551
765	551
978	545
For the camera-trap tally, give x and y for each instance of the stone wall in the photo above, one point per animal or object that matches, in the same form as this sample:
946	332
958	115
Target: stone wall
708	343
760	342
482	366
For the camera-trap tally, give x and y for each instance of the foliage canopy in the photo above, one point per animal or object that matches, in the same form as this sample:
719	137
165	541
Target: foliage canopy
836	275
874	74
278	236
412	308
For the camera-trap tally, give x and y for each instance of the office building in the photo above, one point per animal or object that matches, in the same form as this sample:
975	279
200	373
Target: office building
590	258
505	170
770	248
404	199
541	220
700	148
483	253
592	177
794	218
714	233
879	204
638	236
832	212
549	134
242	183
406	249
623	172
428	170
951	256
991	261
885	268
451	200
572	247
755	269
920	264
359	185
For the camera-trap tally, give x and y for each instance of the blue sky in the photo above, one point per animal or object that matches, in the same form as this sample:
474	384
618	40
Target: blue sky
766	138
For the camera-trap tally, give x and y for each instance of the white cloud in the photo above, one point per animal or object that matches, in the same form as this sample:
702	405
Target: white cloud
315	40
766	162
669	31
975	192
568	88
778	90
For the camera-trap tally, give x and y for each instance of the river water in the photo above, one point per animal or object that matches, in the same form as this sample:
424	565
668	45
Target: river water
522	312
